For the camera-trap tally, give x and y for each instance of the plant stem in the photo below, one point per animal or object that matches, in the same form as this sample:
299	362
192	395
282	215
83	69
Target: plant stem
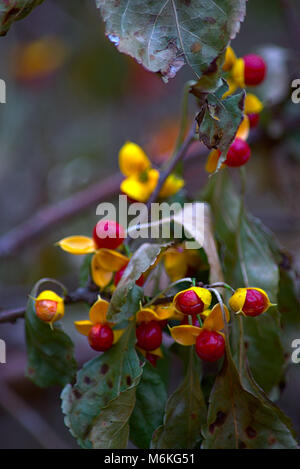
184	115
172	164
222	285
226	329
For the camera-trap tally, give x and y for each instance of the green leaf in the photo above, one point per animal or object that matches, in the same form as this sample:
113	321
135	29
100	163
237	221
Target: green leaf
151	396
85	270
126	298
163	35
249	261
49	352
98	383
288	299
238	419
14	10
219	119
111	429
185	413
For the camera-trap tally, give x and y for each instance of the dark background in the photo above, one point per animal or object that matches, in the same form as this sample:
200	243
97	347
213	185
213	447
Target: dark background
61	134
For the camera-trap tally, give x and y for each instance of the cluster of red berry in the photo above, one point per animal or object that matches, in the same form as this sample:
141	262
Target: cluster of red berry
253	73
200	325
210	345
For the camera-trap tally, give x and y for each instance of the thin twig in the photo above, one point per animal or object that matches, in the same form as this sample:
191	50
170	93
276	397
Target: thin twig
51	216
172	165
80	295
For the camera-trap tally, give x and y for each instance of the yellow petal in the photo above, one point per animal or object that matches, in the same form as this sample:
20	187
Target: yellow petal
204	294
77	245
117	334
175	264
146	315
212	161
253	105
110	260
132	159
160	313
244	128
83	327
230	58
172	185
237	73
165	312
98	311
157	352
101	277
237	300
140	190
49	295
214	321
186	334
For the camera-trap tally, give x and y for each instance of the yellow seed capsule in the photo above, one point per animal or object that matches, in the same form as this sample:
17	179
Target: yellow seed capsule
49	306
238	73
192	301
230	58
253	105
250	301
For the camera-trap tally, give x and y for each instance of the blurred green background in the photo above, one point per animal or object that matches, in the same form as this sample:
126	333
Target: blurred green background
61	131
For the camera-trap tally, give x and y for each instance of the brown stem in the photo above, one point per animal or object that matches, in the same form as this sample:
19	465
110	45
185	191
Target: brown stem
173	163
82	294
51	216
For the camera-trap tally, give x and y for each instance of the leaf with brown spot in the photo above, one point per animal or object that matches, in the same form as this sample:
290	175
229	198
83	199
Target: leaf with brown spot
111	429
219	119
151	396
185	413
247	420
109	375
161	34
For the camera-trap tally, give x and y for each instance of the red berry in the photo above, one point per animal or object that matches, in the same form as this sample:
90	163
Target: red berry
108	234
188	302
255	69
253	120
163	323
149	335
195	321
101	337
255	303
238	154
140	281
151	358
210	346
